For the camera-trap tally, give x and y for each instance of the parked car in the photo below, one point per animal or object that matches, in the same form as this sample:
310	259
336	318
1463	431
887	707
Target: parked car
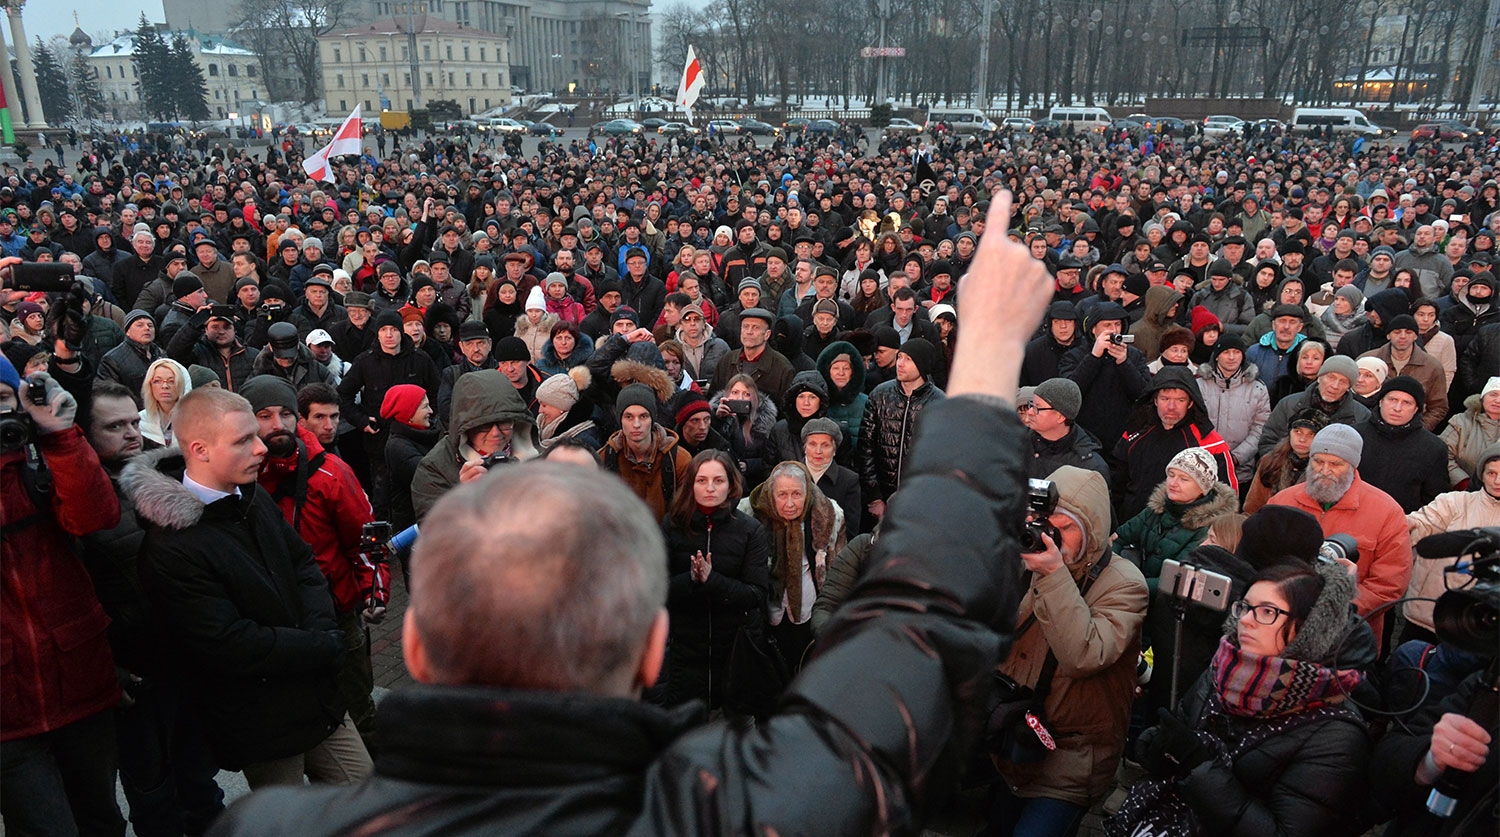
677	129
618	127
502	125
1222	126
542	129
1169	123
653	123
1448	130
757	128
822	126
1266	126
1125	125
796	123
1043	125
1017	124
902	128
723	126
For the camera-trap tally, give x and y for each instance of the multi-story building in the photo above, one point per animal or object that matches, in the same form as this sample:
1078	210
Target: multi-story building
372	64
231	72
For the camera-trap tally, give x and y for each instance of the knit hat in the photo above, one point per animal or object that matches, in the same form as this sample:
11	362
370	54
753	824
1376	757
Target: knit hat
558	391
1277	533
1407	384
1024	396
271	290
185	283
1383	250
636	395
1492	385
943	309
1402	322
1137	284
922	353
388	267
420	281
1062	394
747	282
247	282
1202	318
686	405
1339	440
1199	465
1229	342
388	317
1342	365
825	426
511	348
535	301
555	278
411	314
202	376
137	314
887	337
401	402
625	312
264	391
1375	366
1355	296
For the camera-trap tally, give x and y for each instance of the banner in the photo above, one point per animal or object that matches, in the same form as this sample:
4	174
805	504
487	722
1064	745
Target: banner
692	84
346	140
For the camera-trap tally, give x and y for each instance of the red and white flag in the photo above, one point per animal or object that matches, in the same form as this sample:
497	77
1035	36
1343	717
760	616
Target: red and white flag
346	140
692	84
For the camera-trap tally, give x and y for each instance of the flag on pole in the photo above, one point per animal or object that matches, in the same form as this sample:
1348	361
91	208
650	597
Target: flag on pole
346	140
692	84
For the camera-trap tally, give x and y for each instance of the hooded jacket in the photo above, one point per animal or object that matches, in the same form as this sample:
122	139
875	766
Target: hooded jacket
1469	435
1044	354
241	593
1448	512
479	398
404	448
1142	453
1388	304
786	436
846	406
648	479
1233	305
1096	638
1239	407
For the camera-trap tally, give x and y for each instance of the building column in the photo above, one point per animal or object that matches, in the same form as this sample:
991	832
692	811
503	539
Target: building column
8	81
24	65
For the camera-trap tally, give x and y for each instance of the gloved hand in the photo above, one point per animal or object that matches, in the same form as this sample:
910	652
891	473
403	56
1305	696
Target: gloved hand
1172	748
61	407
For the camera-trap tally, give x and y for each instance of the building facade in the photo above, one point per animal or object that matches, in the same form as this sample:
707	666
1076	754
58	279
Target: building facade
231	72
372	64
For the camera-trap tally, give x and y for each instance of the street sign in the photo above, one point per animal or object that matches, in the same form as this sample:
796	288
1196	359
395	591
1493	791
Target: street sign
882	52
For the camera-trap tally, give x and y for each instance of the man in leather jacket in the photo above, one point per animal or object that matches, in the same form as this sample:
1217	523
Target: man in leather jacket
548	737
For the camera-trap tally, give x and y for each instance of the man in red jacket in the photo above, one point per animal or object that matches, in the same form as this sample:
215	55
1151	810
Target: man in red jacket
319	495
57	681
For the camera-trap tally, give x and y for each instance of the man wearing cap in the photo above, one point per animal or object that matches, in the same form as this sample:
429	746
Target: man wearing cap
450	288
352	336
460	261
474	345
318	310
216	274
157	295
889	424
1332	394
132	275
208	339
285	357
771	370
1401	457
821	439
1270	352
1404	356
1111	376
693	419
322	345
1055	439
188	296
1344	503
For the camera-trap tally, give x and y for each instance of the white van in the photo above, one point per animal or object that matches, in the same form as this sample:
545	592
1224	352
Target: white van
960	120
1343	121
1082	119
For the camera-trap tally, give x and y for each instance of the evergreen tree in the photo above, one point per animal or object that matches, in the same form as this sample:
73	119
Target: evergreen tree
52	84
87	97
189	87
154	82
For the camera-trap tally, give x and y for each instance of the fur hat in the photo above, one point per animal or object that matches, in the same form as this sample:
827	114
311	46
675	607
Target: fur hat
1199	465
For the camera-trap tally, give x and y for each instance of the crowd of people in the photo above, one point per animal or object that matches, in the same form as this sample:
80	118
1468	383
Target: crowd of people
821	374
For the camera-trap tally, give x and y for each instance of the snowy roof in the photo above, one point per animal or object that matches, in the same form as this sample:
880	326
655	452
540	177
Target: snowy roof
124	45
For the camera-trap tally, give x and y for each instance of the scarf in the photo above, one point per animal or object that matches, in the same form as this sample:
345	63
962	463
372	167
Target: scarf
792	541
1249	685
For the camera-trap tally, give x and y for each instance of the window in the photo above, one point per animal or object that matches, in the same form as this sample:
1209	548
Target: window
213	70
216	95
408	105
450	79
385	78
449	52
426	52
343	104
361	55
234	70
484	81
109	72
405	53
338	56
468	79
364	79
481	55
340	78
407	79
251	70
367	105
429	79
382	52
466	53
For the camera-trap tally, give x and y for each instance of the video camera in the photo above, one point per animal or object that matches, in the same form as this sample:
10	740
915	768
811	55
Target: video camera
1339	547
1122	339
1467	615
1041	502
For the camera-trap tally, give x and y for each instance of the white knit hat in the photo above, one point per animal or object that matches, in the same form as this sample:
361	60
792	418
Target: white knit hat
1199	465
536	300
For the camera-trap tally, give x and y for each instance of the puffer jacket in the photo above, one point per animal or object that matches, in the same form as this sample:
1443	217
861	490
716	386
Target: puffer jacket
1239	407
1168	531
705	617
1095	638
1450	511
241	593
889	425
57	667
479	398
1079	448
1468	435
846	406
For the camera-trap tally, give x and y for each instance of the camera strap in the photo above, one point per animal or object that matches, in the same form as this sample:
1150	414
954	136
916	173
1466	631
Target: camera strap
1043	685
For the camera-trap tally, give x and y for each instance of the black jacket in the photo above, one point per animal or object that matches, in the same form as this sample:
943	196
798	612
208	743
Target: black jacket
841	485
374	372
1109	389
404	448
242	595
190	346
131	276
1043	359
127	364
705	616
885	435
1410	463
1079	448
914	644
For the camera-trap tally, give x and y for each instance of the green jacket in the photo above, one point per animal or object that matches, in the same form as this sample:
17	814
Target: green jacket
1165	531
479	398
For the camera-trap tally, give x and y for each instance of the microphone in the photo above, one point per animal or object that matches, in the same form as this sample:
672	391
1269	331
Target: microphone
1484	709
1449	544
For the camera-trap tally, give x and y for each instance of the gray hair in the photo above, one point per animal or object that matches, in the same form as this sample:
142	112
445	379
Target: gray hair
539	576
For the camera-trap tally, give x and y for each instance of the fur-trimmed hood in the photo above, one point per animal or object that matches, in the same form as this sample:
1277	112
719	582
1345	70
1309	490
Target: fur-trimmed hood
626	372
1322	632
153	482
1221	500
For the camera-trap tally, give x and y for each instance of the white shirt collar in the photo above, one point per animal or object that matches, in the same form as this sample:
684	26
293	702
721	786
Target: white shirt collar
205	494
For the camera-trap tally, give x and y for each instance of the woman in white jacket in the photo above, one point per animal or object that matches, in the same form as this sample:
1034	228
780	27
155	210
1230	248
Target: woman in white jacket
166	382
1449	511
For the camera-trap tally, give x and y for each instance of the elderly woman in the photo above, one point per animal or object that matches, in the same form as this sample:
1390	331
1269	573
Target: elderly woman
806	531
166	382
1265	742
1471	433
1177	514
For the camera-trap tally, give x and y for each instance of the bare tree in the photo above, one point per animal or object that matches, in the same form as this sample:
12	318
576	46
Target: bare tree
292	29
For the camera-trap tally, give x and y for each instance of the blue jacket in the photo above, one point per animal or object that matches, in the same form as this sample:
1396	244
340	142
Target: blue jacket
1270	359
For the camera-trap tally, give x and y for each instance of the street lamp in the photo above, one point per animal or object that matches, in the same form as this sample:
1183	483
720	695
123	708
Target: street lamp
556	72
411	10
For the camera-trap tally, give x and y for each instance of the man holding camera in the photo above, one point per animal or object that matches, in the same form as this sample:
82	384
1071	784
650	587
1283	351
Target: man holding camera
1076	647
1109	371
319	495
208	339
490	426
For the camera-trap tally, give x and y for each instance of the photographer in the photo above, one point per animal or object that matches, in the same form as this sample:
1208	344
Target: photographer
1079	631
489	426
58	681
208	340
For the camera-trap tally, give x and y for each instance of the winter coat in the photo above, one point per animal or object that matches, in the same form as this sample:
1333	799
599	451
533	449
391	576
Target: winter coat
785	442
1348	411
305	368
190	346
1168	531
241	593
127	364
890	425
549	365
374	372
701	363
448	377
1096	638
1148	332
773	373
1140	458
1239	408
57	666
1434	271
755	455
1109	388
705	617
647	297
1270	360
1043	358
649	480
844	572
404	448
1448	512
1079	448
1468	435
1379	527
1388	304
1409	463
846	407
1233	305
1312	327
479	398
307	321
536	336
1429	374
535	762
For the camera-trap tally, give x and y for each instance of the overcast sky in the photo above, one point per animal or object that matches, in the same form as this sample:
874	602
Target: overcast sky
46	18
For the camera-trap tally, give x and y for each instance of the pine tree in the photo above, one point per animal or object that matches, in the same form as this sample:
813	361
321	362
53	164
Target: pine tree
52	83
152	59
87	97
189	87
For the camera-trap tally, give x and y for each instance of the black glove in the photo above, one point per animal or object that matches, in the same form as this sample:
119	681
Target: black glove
1172	748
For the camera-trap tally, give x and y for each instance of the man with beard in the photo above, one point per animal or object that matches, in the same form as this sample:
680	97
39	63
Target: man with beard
694	422
1344	503
319	496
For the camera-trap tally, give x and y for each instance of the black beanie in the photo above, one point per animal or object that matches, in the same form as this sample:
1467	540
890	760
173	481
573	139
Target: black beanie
264	391
1407	384
1227	342
922	355
185	283
1137	284
1402	321
1276	534
388	317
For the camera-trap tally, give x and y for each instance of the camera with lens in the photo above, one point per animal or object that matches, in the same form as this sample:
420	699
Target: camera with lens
1339	547
16	427
1467	614
499	457
1122	339
1041	502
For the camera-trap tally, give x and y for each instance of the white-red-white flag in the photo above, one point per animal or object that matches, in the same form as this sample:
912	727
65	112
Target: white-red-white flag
348	139
692	84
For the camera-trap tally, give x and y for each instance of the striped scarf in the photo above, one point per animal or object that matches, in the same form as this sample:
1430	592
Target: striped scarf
1253	686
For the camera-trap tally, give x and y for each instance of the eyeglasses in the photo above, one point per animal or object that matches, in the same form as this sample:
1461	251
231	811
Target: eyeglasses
1033	408
1265	614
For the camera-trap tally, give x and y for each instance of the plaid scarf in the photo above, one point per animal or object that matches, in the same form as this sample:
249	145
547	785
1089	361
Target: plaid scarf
1253	686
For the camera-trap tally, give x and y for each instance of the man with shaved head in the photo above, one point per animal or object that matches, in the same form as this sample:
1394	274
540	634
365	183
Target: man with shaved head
537	618
243	598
